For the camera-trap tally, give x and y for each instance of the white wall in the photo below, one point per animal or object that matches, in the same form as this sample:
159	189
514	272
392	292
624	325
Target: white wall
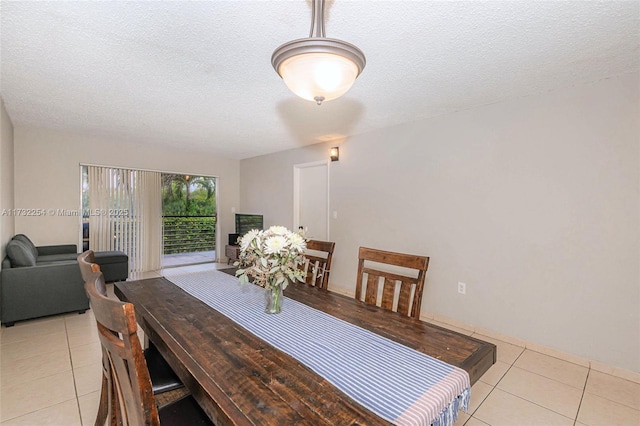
7	222
533	203
47	176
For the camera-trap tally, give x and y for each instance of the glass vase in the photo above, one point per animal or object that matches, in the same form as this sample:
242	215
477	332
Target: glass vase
273	298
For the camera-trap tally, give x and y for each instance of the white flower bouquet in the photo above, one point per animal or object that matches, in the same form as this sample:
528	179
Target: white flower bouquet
271	257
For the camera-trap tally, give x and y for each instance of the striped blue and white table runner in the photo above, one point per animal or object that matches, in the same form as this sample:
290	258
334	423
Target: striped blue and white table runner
399	384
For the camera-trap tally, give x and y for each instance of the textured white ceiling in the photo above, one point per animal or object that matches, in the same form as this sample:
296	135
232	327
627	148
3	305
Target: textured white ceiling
198	75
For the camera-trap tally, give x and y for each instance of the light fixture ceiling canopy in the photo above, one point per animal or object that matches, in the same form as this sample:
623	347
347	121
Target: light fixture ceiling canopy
317	68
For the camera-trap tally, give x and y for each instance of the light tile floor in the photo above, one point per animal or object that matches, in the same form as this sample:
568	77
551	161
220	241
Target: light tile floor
50	375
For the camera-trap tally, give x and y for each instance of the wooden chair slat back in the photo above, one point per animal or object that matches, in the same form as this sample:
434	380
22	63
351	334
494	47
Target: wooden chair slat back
388	293
130	381
318	267
85	260
404	306
88	265
409	295
371	295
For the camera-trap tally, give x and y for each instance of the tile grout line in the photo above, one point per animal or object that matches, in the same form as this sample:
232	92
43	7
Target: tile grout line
33	379
584	390
524	399
606	397
575	420
73	372
493	387
535	403
538	405
550	378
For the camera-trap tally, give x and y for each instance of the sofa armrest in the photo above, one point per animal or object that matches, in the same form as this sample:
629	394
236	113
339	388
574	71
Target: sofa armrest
41	290
58	249
40	274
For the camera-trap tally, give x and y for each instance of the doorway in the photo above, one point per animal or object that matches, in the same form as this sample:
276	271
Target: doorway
311	199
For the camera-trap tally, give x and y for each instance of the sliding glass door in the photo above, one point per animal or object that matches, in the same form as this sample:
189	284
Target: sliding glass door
158	219
189	219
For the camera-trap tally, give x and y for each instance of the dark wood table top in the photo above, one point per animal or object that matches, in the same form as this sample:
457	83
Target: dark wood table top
239	379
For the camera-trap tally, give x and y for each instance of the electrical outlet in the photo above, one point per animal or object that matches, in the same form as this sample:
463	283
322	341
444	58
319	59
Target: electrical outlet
462	288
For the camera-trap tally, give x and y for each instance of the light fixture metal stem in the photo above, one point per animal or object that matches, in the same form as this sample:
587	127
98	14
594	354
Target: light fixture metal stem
317	19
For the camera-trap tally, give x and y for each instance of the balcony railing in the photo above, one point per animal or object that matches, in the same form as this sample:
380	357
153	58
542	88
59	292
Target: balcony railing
188	234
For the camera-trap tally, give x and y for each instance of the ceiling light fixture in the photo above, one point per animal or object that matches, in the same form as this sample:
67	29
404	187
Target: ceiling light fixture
318	68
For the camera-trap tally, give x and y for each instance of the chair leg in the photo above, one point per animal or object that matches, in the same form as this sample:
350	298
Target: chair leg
115	414
109	408
103	408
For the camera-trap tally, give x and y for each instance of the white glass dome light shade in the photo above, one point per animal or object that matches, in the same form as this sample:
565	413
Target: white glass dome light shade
318	69
315	76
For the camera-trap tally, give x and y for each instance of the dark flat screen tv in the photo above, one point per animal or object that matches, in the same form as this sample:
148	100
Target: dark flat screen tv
247	222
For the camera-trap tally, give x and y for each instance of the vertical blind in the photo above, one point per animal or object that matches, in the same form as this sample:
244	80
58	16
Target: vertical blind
126	214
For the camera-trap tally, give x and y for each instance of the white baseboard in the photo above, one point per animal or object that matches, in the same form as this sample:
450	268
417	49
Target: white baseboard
536	347
464	328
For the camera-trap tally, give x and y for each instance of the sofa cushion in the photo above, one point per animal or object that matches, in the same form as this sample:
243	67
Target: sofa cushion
28	242
20	254
56	262
48	258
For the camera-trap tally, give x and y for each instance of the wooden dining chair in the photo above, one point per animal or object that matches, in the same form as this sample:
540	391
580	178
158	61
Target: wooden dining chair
86	262
88	265
130	398
409	295
318	264
163	378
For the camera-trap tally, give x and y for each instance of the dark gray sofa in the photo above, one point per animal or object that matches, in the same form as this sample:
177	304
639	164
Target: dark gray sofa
46	280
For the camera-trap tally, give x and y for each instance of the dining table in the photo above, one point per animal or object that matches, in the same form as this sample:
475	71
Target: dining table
242	378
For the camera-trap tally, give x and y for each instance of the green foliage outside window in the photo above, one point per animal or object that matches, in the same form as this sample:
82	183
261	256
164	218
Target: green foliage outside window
188	195
188	209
